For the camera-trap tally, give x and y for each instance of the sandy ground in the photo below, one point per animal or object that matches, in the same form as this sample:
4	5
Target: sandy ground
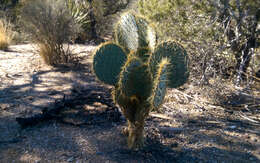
189	128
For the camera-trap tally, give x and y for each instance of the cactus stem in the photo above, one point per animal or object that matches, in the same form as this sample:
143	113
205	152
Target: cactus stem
136	134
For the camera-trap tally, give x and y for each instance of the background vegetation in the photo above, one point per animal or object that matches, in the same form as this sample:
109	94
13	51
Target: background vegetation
222	36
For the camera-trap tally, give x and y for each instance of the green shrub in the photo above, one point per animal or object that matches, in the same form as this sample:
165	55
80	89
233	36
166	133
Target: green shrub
80	11
50	26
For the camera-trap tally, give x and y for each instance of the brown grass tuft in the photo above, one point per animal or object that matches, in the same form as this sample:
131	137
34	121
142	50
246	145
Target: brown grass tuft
54	54
5	34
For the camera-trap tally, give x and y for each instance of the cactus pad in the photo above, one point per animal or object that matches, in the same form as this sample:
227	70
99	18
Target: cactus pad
133	32
160	84
126	32
178	69
135	80
147	35
107	62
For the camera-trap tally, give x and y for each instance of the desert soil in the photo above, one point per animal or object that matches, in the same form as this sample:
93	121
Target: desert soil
188	128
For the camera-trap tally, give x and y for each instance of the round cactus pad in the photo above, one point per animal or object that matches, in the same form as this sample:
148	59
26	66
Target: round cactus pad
127	32
178	72
133	32
107	62
160	84
147	35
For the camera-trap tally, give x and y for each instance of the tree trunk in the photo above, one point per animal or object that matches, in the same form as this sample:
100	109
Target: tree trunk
243	60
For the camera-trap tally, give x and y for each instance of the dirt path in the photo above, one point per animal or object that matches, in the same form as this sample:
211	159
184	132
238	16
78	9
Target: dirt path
188	129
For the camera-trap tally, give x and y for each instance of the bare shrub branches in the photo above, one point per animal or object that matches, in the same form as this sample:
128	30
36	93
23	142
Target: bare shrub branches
50	25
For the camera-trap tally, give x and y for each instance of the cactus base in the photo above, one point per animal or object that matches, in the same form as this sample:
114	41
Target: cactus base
135	133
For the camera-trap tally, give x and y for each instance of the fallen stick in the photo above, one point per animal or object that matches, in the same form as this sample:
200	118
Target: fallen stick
57	110
47	114
162	116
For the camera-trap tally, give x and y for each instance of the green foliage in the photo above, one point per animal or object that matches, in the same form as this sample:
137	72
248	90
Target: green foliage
217	34
8	9
7	4
143	76
4	4
107	62
133	32
178	58
180	19
80	12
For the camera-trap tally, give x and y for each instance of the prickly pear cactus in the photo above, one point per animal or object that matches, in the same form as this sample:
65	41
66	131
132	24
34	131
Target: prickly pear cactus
140	76
133	32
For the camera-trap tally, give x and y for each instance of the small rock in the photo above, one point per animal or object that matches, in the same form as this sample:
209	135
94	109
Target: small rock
70	159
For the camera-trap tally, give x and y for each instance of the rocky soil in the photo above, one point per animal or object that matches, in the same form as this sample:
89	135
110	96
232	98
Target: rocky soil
188	128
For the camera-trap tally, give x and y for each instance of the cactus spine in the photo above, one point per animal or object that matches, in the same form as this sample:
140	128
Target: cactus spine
141	76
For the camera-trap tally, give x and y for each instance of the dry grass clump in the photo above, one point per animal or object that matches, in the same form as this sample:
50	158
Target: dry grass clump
54	55
50	26
6	34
